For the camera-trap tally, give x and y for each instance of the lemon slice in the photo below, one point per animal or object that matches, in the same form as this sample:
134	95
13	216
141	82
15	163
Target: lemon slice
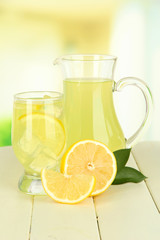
93	158
43	139
67	189
48	129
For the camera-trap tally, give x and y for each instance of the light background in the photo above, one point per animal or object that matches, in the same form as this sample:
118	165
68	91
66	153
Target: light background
34	33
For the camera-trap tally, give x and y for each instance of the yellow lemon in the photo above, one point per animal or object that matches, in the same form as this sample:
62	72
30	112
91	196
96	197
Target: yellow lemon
67	189
91	158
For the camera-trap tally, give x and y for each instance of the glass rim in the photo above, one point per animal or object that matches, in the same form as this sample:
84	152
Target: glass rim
38	96
80	58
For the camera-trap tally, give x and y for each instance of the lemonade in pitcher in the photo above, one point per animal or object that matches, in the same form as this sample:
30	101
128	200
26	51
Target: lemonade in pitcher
89	112
38	135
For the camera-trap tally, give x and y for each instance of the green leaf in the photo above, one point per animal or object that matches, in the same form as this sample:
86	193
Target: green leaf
128	174
122	157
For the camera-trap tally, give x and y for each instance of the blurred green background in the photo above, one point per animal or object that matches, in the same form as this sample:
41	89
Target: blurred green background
33	33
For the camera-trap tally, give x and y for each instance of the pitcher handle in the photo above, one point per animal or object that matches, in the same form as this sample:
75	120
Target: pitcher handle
148	100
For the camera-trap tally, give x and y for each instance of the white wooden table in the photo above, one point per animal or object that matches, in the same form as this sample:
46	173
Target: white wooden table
123	212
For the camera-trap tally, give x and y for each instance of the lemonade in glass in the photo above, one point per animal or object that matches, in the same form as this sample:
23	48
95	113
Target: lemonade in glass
38	135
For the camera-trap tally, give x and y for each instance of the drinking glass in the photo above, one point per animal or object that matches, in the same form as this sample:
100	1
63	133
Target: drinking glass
38	135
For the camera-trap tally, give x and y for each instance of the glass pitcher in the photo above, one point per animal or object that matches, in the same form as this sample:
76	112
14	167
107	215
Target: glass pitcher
89	112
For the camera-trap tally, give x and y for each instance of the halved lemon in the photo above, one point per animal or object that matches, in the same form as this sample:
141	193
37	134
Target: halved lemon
67	189
92	158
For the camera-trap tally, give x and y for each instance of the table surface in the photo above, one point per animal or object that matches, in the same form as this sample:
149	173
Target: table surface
124	212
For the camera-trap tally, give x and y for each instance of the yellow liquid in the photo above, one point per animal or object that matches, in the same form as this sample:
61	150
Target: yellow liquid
34	134
90	113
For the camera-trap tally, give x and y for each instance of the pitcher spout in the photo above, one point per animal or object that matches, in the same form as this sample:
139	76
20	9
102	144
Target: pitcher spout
85	66
57	61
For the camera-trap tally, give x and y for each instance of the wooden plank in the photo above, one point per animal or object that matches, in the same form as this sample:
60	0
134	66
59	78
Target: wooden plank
15	207
127	212
147	156
53	220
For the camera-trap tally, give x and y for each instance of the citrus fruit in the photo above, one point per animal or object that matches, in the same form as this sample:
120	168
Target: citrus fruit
92	158
48	129
67	189
41	139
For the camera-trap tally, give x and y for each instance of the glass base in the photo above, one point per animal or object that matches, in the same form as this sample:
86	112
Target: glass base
31	185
